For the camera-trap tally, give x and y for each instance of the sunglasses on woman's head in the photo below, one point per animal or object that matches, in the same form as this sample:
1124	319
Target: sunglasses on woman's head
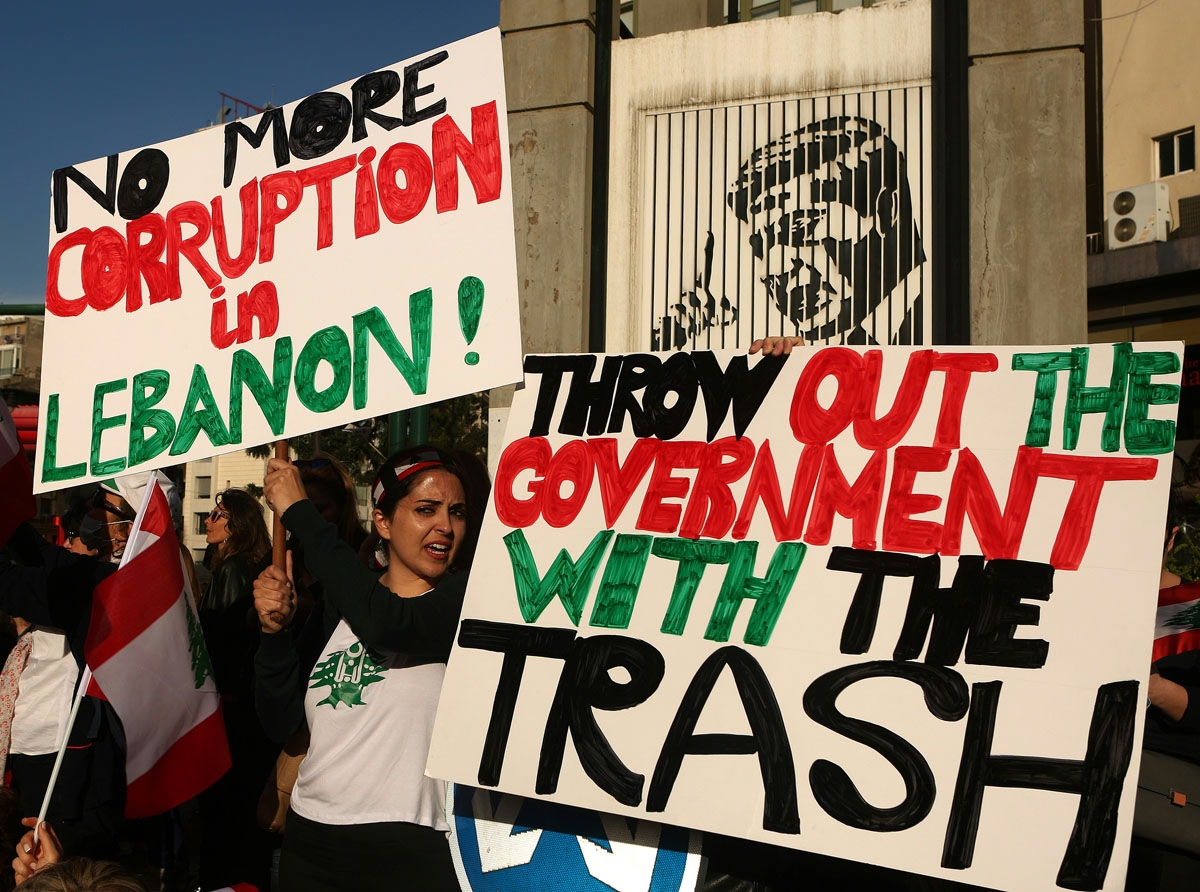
311	464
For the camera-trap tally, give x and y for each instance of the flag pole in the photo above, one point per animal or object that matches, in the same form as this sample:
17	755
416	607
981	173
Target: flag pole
278	534
85	677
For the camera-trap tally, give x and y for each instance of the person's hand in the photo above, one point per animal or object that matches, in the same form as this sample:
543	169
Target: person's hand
32	856
282	485
776	346
275	598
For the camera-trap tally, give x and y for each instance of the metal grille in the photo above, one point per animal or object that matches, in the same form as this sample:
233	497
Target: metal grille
1189	216
800	216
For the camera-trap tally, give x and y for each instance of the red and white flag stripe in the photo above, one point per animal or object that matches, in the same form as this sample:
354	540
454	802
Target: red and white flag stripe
141	648
1171	636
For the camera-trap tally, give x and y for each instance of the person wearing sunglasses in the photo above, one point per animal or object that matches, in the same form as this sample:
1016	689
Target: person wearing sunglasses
365	672
232	847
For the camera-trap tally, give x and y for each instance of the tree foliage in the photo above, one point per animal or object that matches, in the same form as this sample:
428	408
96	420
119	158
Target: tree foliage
459	423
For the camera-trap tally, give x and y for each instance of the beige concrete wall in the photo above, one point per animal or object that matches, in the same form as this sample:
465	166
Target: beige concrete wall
1028	265
1151	85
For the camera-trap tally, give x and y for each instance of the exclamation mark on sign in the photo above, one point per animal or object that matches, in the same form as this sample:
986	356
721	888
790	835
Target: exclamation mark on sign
470	308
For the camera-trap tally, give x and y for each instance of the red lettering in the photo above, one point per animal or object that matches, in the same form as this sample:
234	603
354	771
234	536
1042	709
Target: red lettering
900	531
860	502
571	464
711	510
971	495
763	486
480	157
655	516
886	432
232	267
322	176
104	270
617	481
958	368
1089	474
366	202
288	186
813	423
196	215
402	203
145	260
528	454
55	302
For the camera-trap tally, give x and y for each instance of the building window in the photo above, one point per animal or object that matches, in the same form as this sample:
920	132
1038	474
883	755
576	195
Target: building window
10	360
204	487
748	10
201	529
1176	152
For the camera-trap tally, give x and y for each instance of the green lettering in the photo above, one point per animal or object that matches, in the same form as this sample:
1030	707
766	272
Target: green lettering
1110	400
415	370
200	413
622	577
328	345
769	593
566	579
693	557
100	424
1047	366
1144	436
270	396
51	472
149	388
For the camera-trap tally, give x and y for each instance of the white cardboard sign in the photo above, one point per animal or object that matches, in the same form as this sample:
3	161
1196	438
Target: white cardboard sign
891	605
344	256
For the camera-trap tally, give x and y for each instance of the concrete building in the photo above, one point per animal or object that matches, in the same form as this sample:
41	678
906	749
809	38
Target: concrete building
1144	281
20	357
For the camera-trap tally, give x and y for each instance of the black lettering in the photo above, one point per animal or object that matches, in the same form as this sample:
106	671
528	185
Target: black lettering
1096	780
412	90
638	371
319	124
946	696
745	387
588	401
678	377
585	685
873	567
768	738
143	183
516	642
271	119
991	641
551	369
951	611
106	199
368	93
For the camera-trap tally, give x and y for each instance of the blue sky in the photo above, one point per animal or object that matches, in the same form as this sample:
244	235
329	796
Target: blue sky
84	80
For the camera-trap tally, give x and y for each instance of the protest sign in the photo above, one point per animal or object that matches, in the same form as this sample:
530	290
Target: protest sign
892	605
344	256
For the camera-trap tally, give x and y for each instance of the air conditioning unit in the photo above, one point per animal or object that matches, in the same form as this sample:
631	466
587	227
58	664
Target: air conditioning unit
1138	215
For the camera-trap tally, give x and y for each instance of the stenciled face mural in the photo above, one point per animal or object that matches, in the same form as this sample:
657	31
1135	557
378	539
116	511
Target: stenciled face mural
820	233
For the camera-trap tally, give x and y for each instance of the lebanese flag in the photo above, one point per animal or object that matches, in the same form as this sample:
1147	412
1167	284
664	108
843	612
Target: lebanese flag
1177	627
16	478
147	658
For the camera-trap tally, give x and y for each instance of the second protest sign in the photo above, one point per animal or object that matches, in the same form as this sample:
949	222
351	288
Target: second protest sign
888	605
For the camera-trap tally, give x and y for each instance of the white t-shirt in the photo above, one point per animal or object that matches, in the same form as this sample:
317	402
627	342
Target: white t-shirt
371	719
44	693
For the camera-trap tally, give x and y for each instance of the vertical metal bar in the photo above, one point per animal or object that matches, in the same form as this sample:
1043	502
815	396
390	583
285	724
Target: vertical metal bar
653	180
601	95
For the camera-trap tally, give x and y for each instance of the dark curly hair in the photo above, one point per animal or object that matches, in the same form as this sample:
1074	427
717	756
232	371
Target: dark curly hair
247	529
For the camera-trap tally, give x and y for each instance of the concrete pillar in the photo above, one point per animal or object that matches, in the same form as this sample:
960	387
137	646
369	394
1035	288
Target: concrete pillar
1028	183
548	53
